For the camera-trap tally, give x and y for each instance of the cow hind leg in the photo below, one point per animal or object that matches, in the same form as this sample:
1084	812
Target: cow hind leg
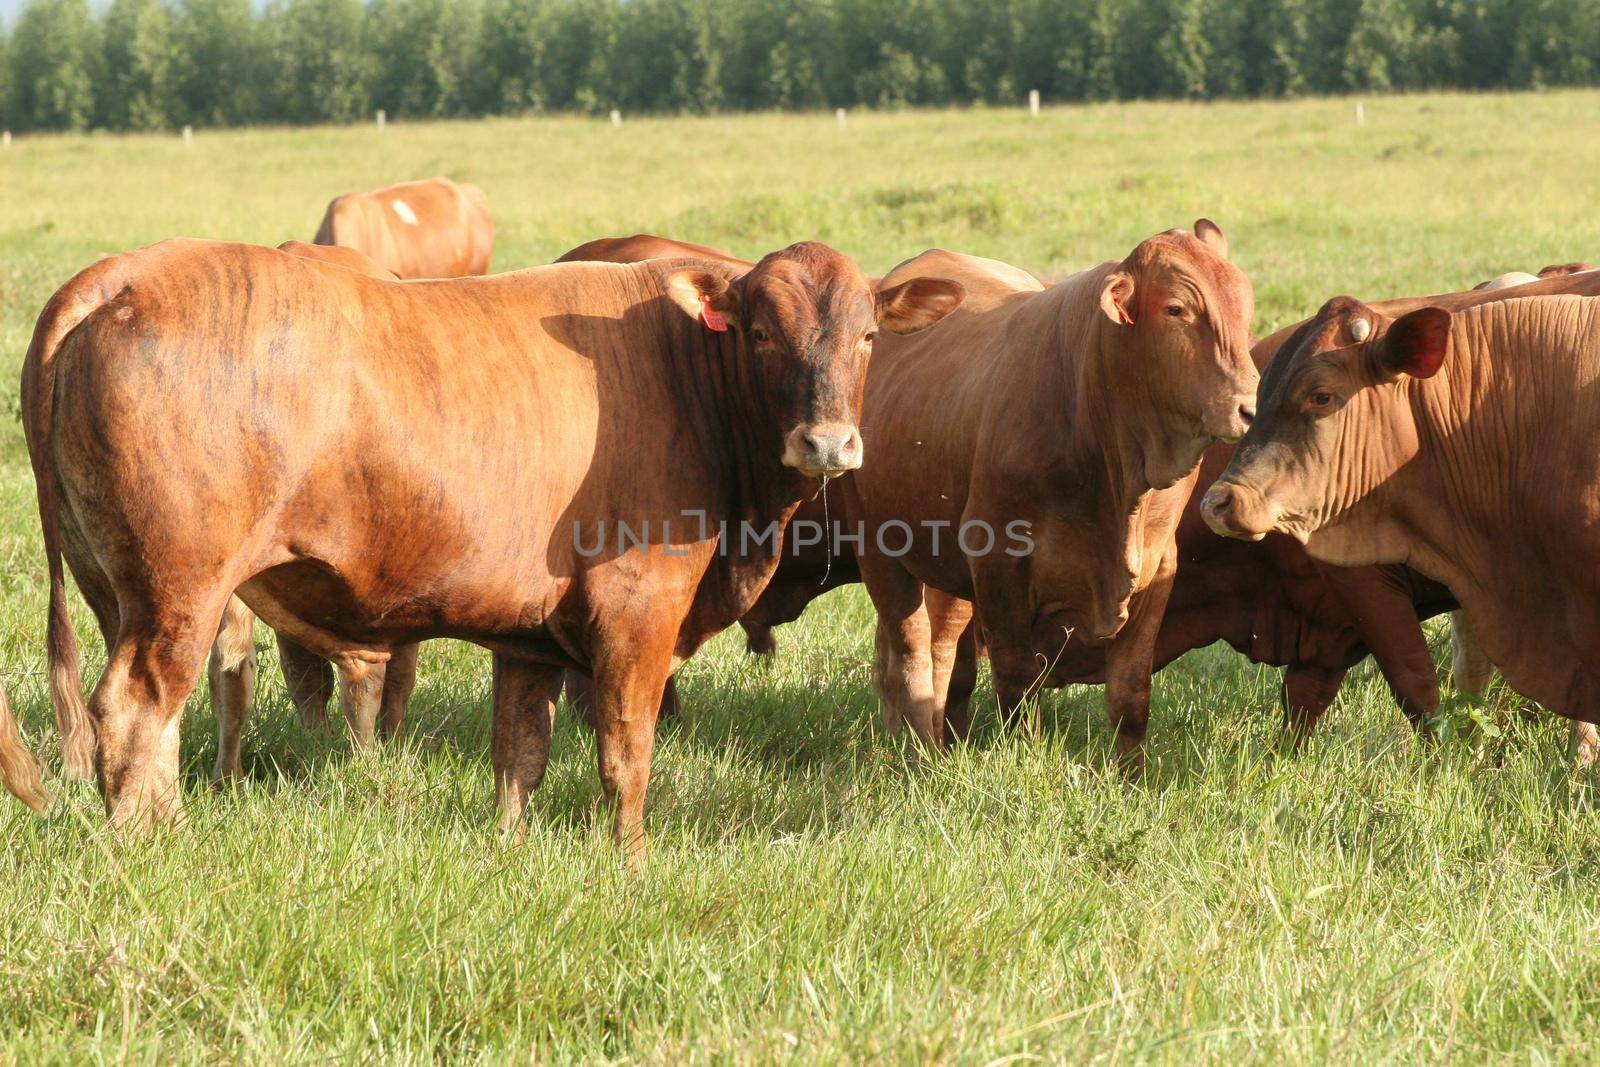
232	677
399	679
138	708
309	679
902	668
74	721
519	743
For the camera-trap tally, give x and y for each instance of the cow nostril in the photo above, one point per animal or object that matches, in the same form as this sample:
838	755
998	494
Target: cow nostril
1219	499
1247	412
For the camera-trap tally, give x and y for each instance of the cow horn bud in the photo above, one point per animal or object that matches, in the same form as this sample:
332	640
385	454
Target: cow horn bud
1360	329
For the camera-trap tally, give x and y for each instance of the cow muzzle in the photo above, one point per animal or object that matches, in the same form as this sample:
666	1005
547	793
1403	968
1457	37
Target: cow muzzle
823	449
1235	510
1229	420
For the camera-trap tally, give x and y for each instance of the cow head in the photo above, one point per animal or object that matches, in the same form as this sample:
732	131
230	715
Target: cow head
1184	315
1333	420
807	317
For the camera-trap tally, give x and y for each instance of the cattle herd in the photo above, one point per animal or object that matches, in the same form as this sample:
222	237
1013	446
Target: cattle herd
590	468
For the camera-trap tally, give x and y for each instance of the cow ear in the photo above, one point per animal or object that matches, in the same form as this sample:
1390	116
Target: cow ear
704	295
1415	344
917	304
1210	233
1116	297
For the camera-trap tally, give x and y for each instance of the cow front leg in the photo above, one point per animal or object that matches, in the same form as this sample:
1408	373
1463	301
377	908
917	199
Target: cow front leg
519	740
1306	692
231	673
1130	659
902	668
360	696
629	680
1004	609
1584	741
1470	669
399	679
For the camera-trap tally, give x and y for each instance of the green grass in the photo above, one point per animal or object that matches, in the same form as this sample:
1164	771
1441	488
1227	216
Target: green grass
812	893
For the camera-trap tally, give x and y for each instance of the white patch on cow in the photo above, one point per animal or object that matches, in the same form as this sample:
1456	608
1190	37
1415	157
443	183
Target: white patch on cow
403	209
1507	281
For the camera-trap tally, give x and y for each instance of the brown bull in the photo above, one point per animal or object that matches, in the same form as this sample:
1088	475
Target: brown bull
1446	440
321	442
1034	453
436	228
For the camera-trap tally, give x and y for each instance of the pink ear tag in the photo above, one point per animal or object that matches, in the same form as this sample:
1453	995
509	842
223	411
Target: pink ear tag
711	316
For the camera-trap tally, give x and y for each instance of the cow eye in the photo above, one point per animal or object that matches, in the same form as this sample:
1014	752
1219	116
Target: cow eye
759	335
1321	399
1175	310
872	335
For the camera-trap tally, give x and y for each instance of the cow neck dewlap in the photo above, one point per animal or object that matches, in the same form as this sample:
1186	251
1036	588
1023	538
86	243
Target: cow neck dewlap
1100	454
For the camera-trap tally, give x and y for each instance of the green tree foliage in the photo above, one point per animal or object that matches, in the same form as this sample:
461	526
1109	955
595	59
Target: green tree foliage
151	64
54	55
139	88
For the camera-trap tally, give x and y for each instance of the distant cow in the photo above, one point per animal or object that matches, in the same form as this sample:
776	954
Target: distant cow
372	463
1446	440
436	228
643	246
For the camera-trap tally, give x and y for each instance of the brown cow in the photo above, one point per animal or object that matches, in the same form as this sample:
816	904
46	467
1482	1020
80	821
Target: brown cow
361	483
1446	441
643	246
1556	270
1064	426
436	228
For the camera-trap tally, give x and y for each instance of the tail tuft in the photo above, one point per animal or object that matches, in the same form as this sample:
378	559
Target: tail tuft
18	770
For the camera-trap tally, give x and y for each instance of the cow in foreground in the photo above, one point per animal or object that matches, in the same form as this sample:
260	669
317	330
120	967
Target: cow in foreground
435	228
1033	453
372	463
1446	441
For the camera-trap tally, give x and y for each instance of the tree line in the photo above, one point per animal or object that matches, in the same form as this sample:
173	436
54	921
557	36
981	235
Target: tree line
159	64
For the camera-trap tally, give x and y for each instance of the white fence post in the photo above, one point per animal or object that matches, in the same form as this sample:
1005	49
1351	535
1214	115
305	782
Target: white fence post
383	118
1361	114
838	115
1033	102
188	135
5	139
616	118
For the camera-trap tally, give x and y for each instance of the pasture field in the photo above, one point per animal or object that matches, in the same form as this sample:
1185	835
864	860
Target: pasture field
813	894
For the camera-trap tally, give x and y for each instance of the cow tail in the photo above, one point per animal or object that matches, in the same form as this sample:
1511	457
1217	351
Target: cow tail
71	304
17	769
